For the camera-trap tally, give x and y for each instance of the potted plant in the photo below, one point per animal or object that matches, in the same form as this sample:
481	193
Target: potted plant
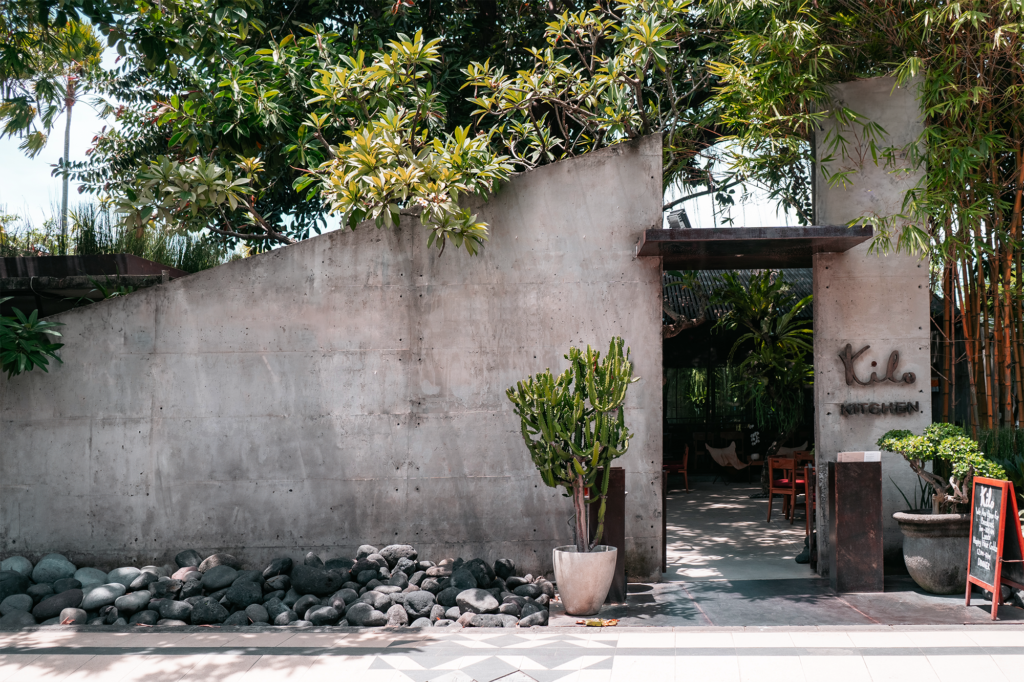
574	427
935	541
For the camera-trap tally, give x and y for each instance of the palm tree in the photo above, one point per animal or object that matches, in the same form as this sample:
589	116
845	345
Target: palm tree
45	84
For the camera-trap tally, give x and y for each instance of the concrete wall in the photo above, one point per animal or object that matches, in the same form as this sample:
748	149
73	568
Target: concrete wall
868	299
348	389
865	299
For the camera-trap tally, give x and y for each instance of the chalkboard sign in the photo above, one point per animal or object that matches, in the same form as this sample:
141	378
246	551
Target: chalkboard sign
994	557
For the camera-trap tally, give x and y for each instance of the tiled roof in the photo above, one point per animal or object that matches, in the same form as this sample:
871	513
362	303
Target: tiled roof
689	303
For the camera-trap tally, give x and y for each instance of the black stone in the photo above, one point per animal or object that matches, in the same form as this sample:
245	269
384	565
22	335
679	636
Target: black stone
219	594
219	560
487	620
305	603
377	559
399	579
365	551
257	613
277	582
481	570
108	613
238	619
146	617
531	590
191	588
323	615
392	553
218	577
529	608
188	557
275	607
539	618
65	584
406	566
504	568
208	612
39	592
143	581
281	564
366	576
417	578
430	585
242	594
166	589
52	606
339	564
285	617
419	604
463	579
175	610
309	580
276	594
363	565
509	609
12	582
313	560
249	576
447	597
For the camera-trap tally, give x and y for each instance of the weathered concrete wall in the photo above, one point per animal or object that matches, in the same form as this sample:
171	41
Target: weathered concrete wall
866	299
347	389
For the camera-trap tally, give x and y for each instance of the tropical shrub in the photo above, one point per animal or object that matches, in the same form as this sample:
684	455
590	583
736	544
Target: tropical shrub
946	443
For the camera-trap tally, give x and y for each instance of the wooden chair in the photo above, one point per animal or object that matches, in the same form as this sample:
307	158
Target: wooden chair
783	480
677	467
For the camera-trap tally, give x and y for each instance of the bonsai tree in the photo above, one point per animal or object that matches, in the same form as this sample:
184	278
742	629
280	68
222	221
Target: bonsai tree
574	427
949	443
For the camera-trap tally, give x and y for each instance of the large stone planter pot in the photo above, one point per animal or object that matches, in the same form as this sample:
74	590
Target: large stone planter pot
583	579
935	549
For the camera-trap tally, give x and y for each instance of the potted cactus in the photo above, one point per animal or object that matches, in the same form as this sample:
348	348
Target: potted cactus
935	541
574	427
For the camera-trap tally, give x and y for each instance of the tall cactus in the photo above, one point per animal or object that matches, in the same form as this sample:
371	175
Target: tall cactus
574	427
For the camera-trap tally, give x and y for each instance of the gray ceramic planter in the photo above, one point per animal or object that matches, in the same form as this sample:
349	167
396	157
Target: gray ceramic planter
583	580
935	549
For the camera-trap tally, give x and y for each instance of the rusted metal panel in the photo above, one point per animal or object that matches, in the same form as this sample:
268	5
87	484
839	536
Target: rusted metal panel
748	247
614	531
83	266
855	526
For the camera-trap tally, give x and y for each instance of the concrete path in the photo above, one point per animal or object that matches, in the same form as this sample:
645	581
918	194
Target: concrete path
717	532
872	653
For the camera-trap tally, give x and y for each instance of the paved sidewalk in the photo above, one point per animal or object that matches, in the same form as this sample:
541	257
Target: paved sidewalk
977	652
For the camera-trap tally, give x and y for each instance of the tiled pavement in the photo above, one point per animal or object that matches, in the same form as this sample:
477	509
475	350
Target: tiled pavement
921	654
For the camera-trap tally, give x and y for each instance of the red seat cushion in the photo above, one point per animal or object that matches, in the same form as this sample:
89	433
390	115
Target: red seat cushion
785	482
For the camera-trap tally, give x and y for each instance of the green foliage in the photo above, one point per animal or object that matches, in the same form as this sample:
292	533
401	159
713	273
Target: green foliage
605	75
45	80
1005	447
946	443
94	233
390	111
774	352
574	425
25	342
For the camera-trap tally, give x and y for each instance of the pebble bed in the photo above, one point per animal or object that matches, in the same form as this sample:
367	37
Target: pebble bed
380	587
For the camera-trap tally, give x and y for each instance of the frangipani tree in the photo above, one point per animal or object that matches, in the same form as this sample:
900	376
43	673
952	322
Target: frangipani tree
378	123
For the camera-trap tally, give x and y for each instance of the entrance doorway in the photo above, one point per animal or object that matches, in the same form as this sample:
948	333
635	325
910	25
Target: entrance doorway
716	525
